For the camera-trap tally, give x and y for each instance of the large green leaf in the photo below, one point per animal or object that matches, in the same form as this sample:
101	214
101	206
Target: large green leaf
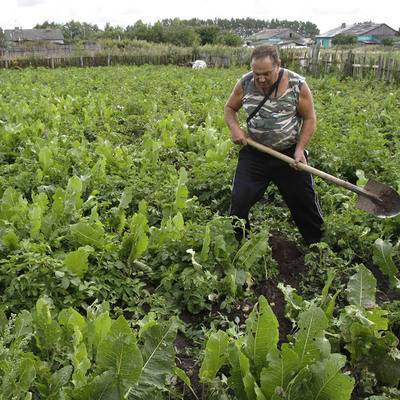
298	388
45	158
23	324
251	251
181	194
73	194
361	288
126	197
262	333
328	382
383	257
249	382
282	367
135	242
102	387
71	317
100	328
206	244
48	332
310	340
36	212
214	356
58	380
119	353
77	261
158	357
86	233
235	381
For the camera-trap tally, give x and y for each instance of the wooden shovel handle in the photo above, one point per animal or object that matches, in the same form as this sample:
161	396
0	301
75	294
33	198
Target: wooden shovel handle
312	170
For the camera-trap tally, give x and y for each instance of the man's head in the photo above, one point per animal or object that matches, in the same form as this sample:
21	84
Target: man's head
265	64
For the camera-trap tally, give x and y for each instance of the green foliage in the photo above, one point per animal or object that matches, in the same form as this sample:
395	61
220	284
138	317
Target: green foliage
114	188
214	355
176	31
364	329
262	333
80	358
361	288
305	369
344	39
383	257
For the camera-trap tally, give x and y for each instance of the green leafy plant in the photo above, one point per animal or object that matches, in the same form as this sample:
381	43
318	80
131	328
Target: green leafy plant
304	368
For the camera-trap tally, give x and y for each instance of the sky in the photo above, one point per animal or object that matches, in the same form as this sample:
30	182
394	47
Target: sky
326	15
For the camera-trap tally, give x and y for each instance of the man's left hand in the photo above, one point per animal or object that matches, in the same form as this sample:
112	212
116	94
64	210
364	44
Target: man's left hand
299	157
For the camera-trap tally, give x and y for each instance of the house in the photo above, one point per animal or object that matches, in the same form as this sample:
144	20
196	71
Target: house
365	33
22	36
281	37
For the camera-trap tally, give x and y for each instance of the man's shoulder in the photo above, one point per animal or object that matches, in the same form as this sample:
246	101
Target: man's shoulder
247	77
295	77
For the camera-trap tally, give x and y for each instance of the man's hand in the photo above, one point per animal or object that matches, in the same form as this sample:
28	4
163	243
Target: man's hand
299	157
239	136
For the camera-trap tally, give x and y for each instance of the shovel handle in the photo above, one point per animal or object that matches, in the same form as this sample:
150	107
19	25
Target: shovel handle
312	170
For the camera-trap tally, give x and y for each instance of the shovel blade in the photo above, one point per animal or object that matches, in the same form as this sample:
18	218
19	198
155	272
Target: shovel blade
388	204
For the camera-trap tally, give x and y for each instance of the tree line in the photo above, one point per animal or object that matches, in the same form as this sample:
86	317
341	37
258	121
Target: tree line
229	32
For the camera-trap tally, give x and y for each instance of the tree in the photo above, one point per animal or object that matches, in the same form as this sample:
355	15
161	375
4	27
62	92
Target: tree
180	34
230	39
344	39
72	30
157	33
139	31
47	25
208	34
387	42
113	32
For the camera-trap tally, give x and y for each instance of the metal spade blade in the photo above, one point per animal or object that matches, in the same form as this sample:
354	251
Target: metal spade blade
385	205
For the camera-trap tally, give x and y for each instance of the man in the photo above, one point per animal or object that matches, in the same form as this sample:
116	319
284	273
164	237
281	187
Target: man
285	122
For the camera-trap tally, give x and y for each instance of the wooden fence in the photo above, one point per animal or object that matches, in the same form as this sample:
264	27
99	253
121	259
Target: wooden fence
383	66
380	66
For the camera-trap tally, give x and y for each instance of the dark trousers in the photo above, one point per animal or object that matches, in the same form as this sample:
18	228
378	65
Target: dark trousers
254	172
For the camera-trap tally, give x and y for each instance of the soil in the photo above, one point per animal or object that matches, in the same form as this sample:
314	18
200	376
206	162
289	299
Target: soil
186	362
291	271
291	265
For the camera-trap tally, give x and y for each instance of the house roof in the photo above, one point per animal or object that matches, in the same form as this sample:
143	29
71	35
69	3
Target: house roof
270	33
354	30
17	35
276	35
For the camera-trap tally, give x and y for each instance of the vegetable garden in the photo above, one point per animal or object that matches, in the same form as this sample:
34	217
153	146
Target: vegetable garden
120	276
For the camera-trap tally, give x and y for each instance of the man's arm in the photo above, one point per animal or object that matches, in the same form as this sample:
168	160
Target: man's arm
306	110
231	108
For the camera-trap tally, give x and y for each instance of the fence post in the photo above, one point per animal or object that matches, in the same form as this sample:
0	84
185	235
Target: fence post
314	58
379	70
389	71
348	65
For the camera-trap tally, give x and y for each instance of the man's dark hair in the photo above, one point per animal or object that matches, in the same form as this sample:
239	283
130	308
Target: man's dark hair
265	50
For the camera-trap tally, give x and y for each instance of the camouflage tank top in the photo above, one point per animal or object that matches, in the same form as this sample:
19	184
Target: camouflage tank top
277	124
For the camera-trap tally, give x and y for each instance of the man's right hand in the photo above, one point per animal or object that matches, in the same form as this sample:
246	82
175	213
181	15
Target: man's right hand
239	137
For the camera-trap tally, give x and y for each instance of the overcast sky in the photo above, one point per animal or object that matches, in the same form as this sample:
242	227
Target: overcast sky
326	15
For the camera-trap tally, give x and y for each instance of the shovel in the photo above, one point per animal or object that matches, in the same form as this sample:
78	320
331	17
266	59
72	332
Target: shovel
375	198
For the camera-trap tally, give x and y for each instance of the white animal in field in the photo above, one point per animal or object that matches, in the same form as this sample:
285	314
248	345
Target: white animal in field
199	64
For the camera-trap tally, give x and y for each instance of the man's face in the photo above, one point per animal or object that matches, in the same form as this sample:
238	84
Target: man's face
265	72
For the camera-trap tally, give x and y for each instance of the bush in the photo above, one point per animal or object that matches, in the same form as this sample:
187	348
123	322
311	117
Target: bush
344	39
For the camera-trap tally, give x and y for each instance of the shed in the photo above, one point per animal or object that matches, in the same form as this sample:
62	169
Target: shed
19	36
277	37
365	33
